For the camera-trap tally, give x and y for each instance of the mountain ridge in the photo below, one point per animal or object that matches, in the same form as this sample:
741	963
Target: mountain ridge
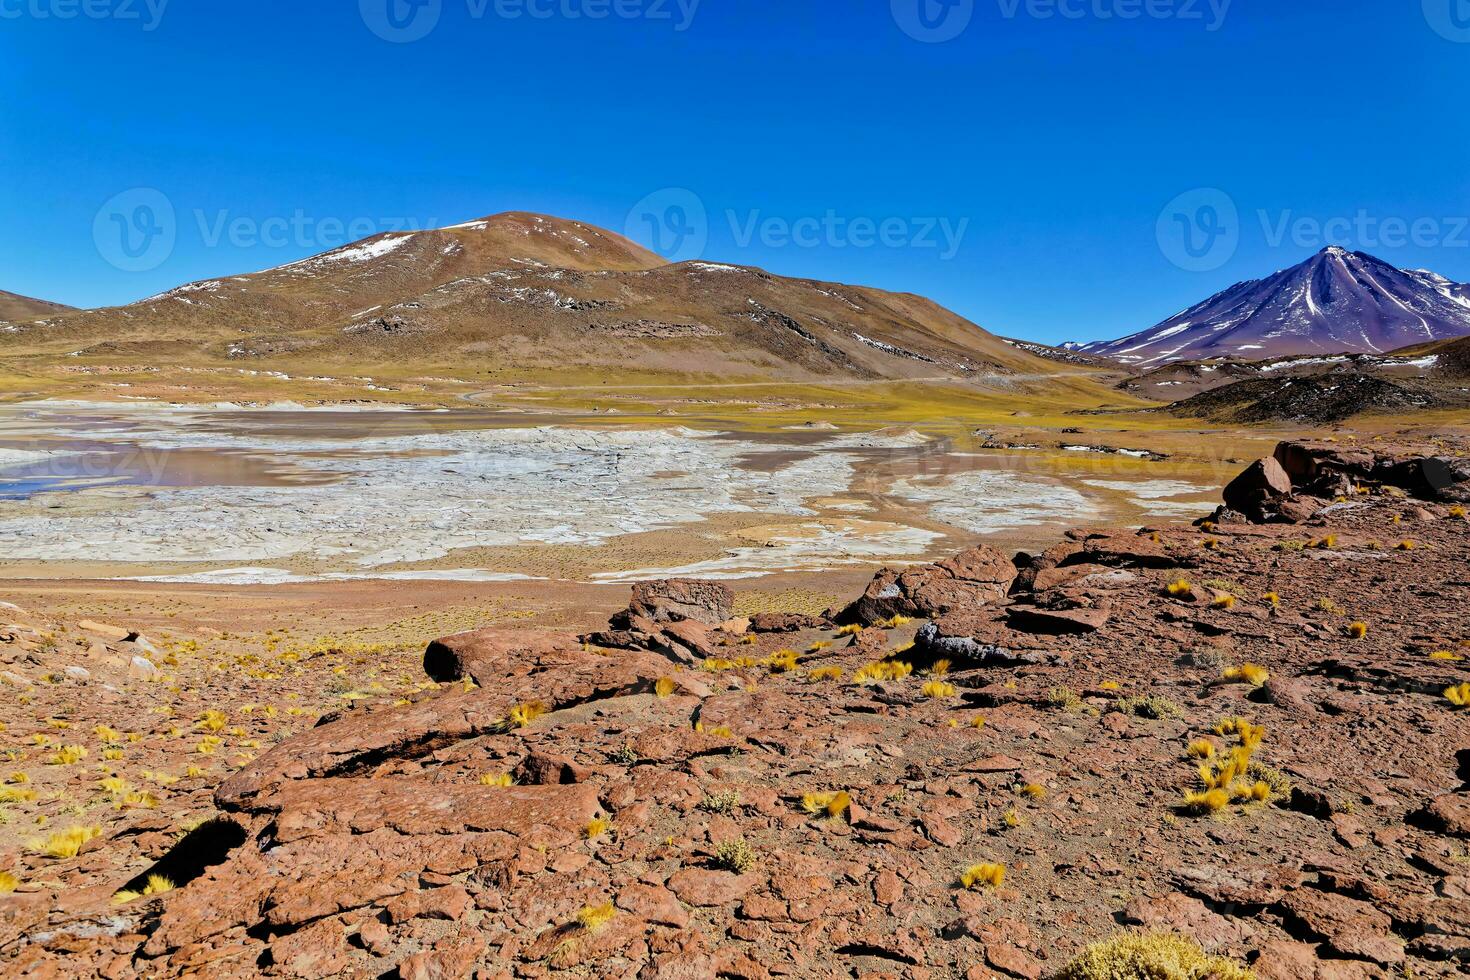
17	308
1335	302
526	289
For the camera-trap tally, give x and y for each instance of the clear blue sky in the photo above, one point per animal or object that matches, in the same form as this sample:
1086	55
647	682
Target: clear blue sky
1059	139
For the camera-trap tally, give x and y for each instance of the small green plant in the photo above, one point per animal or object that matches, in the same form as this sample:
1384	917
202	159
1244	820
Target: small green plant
734	855
1154	706
1150	956
1064	698
724	803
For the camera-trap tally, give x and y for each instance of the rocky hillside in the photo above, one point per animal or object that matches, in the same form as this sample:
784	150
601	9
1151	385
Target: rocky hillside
17	309
531	292
1335	302
1244	738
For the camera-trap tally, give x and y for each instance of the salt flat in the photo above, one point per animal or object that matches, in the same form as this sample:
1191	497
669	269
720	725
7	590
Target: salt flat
225	495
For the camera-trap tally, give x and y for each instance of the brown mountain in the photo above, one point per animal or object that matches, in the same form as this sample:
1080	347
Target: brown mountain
529	291
14	308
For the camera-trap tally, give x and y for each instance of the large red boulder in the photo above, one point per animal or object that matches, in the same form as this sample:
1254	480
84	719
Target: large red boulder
972	578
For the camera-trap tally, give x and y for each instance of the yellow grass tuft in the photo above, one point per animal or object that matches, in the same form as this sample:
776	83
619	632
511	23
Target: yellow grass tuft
501	779
1224	600
1253	674
885	670
8	883
523	714
1358	630
68	755
825	674
938	689
1405	545
595	917
156	885
1273	599
1325	544
782	662
940	668
1208	801
1457	513
1445	655
1033	791
1150	956
9	794
1459	695
978	721
1201	749
596	828
1181	588
987	875
831	805
65	843
851	630
894	622
212	721
665	687
113	785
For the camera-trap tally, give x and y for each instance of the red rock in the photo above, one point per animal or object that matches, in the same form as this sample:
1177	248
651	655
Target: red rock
976	577
673	600
654	903
1058	621
887	888
547	769
1261	482
1183	914
696	886
1350	927
318	950
452	960
698	637
787	622
1449	814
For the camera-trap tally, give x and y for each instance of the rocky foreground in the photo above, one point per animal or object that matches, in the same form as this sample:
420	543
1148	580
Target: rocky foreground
1250	733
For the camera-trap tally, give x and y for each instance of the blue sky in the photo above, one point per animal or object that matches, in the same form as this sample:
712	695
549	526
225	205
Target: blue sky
1021	173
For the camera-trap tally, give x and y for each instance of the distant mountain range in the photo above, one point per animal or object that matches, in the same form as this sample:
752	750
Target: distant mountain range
15	308
522	292
1335	302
